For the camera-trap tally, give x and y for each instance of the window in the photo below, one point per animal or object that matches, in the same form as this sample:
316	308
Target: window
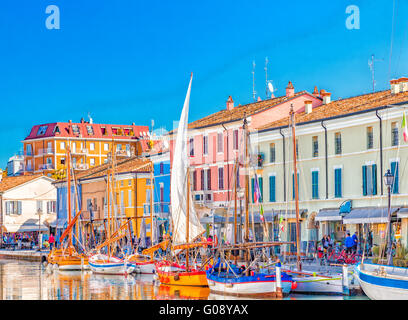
105	160
297	148
293	185
236	139
89	206
260	184
122	183
106	146
92	161
118	147
191	146
370	180
220	178
395	173
337	183
104	132
194	180
92	146
208	179
315	184
29	150
205	144
13	207
95	204
129	198
49	161
129	182
90	130
394	134
62	145
62	161
272	153
41	130
75	129
315	146
147	182
337	143
220	142
39	206
272	188
202	179
370	139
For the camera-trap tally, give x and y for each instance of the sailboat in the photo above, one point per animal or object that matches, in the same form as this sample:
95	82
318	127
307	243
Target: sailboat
107	263
314	281
253	279
186	224
68	258
145	262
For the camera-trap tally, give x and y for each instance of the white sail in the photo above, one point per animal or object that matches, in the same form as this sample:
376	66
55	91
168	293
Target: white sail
179	184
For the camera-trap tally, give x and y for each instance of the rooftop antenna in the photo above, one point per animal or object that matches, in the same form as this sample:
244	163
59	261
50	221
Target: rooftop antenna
371	65
253	81
266	77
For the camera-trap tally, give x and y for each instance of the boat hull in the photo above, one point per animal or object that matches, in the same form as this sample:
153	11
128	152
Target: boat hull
109	265
318	285
390	286
171	274
64	261
142	264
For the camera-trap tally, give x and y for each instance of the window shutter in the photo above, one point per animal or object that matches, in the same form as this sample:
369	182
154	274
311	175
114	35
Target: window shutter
364	180
19	207
337	177
374	168
394	171
252	189
272	192
261	188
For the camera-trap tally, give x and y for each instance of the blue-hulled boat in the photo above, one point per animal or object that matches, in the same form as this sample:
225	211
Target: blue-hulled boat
381	282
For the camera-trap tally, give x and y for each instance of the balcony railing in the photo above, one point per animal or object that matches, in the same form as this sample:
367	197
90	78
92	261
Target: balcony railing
80	151
46	151
80	166
46	166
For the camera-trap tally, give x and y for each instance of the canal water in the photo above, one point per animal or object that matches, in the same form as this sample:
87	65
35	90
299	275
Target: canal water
22	280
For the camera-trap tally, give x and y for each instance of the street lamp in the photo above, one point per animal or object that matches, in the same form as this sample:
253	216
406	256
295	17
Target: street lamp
389	181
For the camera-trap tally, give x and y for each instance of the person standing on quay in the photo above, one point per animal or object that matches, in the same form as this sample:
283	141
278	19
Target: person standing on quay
51	241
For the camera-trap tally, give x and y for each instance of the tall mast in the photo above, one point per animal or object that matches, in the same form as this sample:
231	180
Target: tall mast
69	195
151	208
235	209
292	118
188	216
246	239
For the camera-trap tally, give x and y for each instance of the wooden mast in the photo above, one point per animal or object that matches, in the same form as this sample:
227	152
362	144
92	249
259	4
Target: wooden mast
246	239
69	196
235	210
151	209
292	117
188	216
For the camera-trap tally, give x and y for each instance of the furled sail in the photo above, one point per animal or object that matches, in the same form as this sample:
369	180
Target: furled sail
179	184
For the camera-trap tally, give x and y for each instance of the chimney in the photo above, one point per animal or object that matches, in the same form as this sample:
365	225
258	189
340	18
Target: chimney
395	88
403	82
290	90
230	103
259	99
70	121
308	106
315	91
325	96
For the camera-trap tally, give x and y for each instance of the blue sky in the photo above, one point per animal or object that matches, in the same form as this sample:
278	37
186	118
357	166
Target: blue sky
130	61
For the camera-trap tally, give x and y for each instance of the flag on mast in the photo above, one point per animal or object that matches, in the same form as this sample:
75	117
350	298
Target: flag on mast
404	127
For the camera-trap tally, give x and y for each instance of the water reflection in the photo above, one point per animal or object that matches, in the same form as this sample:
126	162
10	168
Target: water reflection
22	280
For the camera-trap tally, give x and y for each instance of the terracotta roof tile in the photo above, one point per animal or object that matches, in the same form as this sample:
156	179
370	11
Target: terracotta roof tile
11	182
344	106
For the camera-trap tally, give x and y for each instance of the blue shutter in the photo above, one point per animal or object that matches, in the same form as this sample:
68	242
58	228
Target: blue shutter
252	189
395	173
260	182
315	184
337	183
374	168
272	189
364	180
293	186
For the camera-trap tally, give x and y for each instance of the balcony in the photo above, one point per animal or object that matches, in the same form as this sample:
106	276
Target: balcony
47	151
124	153
80	166
46	166
79	152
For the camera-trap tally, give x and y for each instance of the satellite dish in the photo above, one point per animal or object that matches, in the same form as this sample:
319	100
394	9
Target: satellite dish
270	87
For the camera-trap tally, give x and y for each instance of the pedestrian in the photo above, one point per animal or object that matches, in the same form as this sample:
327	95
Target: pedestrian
355	241
349	243
330	243
51	241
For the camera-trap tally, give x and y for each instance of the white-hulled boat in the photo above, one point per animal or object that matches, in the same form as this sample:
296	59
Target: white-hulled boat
102	263
381	282
142	263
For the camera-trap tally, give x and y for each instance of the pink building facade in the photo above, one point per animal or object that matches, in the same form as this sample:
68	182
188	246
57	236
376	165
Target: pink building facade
216	141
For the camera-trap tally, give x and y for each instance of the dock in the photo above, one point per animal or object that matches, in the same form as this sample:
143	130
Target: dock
29	255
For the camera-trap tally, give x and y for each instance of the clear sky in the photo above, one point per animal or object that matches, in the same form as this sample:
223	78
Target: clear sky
130	61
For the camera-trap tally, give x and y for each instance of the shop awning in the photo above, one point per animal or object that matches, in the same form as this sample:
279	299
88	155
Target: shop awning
402	213
368	215
60	223
8	227
32	225
269	216
329	215
290	214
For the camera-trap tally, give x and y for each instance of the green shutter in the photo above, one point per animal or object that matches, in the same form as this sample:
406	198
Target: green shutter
272	190
395	173
337	183
315	184
374	168
364	180
260	182
252	189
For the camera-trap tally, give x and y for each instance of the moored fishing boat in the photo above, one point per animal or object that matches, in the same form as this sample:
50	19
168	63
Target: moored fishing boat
102	263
